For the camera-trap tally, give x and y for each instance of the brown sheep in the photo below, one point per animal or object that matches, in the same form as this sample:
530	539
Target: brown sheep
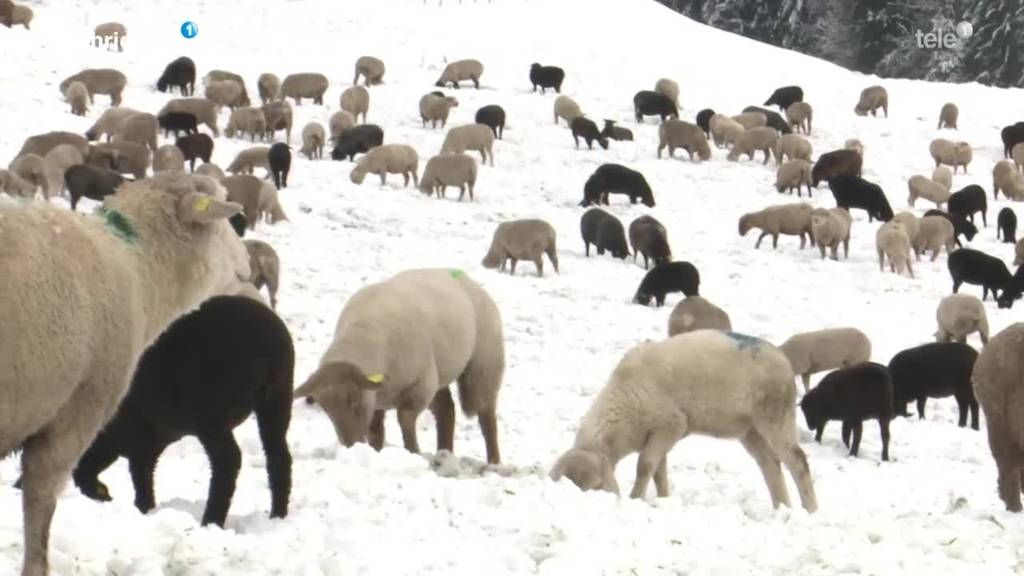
356	101
871	99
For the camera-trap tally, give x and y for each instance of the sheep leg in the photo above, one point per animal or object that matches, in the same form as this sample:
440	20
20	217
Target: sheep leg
512	268
796	462
806	377
768	462
488	419
659	442
553	257
539	262
973	402
225	462
759	238
376	431
273	417
883	425
818	433
661	479
961	404
444	413
407	422
847	428
920	407
858	429
1007	458
98	457
142	463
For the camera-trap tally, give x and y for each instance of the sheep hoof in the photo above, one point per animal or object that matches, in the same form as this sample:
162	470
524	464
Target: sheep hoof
97	491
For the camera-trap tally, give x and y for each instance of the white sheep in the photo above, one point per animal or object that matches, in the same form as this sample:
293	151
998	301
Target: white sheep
371	69
942	175
141	128
871	99
269	87
110	34
812	352
246	120
279	116
910	223
948	116
112	283
339	122
793	146
799	116
792	175
22	15
830	229
77	95
668	88
1018	252
761	138
168	157
673	133
204	110
58	161
356	101
16	186
434	109
1017	154
460	70
724	130
245	190
924	187
399	344
248	160
99	81
719	384
265	265
313	137
787	219
477	137
892	241
108	122
32	168
959	316
388	159
212	170
751	120
305	85
224	93
567	109
934	233
951	153
854	144
697	313
268	207
444	170
522	240
1006	178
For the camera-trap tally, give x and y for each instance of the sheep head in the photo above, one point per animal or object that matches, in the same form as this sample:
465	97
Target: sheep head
586	469
811	413
358	175
346	393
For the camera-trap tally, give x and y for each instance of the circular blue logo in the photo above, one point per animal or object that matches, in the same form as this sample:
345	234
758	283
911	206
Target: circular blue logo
189	29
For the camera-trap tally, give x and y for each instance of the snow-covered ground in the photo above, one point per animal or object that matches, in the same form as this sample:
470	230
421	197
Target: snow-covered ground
932	510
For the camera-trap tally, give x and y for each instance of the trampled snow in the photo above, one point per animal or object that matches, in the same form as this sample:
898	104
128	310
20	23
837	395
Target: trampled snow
932	510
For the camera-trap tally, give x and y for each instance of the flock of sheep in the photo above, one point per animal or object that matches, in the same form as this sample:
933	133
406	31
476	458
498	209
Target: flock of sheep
153	300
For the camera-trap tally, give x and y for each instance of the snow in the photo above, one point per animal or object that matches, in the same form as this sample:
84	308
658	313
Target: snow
932	510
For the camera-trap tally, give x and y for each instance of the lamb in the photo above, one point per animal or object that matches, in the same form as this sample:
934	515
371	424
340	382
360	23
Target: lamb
357	140
356	101
446	170
934	370
954	154
212	170
77	95
435	109
959	316
522	240
1005	177
774	120
854	144
967	201
785	97
724	130
812	352
244	189
616	179
648	237
204	110
787	219
266	268
313	136
15	185
697	313
187	254
389	159
793	146
567	109
961	227
195	146
110	33
246	120
751	120
33	169
99	81
1007	226
338	123
1011	135
180	73
925	187
799	115
934	233
830	228
856	192
107	123
306	85
278	115
996	380
852	395
703	119
279	163
648	103
440	326
836	162
721	384
762	138
893	242
871	99
613	132
792	175
605	232
95	183
672	277
222	75
248	160
371	69
494	116
477	137
224	93
668	88
978	268
942	175
459	71
948	116
268	207
587	129
546	77
203	377
269	87
168	157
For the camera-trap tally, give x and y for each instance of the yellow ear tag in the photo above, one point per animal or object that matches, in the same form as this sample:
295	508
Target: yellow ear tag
202	204
375	378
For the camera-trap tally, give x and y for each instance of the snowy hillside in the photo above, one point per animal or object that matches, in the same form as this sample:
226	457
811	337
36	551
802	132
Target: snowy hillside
932	510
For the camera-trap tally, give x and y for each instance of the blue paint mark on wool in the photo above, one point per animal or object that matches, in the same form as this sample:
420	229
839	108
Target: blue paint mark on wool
744	341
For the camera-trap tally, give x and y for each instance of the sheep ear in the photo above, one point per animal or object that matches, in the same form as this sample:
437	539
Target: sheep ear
314	384
201	208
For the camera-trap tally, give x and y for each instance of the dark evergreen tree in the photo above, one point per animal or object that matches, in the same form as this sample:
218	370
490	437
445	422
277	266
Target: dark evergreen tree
994	54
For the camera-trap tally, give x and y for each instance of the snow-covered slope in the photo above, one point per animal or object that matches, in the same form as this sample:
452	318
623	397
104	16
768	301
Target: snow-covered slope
932	510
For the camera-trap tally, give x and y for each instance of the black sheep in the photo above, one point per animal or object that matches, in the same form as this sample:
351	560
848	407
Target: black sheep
1013	292
203	377
856	192
604	231
783	97
1007	224
649	238
650	103
195	146
961	227
239	223
775	120
1012	135
546	77
852	395
967	201
181	73
280	160
357	140
704	120
829	164
613	132
672	277
934	370
616	179
585	128
93	182
980	269
175	122
494	116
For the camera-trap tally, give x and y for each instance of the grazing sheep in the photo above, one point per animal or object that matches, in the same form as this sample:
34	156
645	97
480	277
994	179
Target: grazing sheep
268	207
111	291
724	130
399	344
446	170
435	109
278	115
1011	136
203	377
77	95
785	97
245	190
616	179
924	187
356	101
1006	226
697	313
668	88
794	147
305	85
57	162
279	162
246	120
851	395
1015	290
871	99
168	157
224	93
703	120
959	316
248	160
99	81
969	200
893	242
222	75
674	133
313	137
141	128
107	123
477	137
266	268
132	158
180	73
856	192
459	71
648	103
618	133
774	119
21	15
587	129
720	384
942	175
787	219
836	162
177	122
910	222
661	280
961	227
812	352
110	33
339	122
648	237
269	87
389	159
567	109
948	116
34	170
212	170
1007	178
205	112
357	140
934	370
371	69
494	116
762	138
605	232
854	144
522	240
933	233
974	267
95	183
195	146
799	115
830	228
14	185
751	120
546	77
792	175
951	153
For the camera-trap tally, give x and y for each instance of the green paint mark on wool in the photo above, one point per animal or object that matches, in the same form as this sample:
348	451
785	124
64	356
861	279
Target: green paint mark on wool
119	225
455	272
